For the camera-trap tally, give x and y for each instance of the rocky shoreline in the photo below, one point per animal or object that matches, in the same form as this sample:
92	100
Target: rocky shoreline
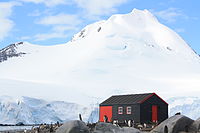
174	124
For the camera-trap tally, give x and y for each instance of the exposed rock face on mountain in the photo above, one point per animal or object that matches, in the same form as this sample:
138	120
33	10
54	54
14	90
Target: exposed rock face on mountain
10	51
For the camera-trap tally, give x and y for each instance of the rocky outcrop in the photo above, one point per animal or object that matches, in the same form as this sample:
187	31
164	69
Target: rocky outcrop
195	126
110	128
80	127
73	127
10	51
174	124
105	127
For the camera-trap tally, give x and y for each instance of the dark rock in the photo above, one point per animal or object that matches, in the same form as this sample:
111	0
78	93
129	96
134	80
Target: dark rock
73	127
174	124
178	113
168	48
20	124
110	128
105	127
10	51
99	29
82	33
195	126
130	130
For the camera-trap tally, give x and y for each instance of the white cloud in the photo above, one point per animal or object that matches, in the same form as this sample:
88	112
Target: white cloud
47	36
24	38
60	25
99	7
60	19
5	23
170	14
91	7
35	13
180	30
48	3
58	31
63	28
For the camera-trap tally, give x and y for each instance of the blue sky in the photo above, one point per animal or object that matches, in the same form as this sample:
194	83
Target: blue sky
49	22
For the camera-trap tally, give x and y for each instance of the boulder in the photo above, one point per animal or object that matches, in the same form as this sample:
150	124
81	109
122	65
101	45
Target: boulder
73	127
102	127
195	126
174	124
110	128
130	130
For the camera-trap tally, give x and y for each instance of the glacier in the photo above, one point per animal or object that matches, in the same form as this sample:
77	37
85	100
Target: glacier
36	111
189	106
128	53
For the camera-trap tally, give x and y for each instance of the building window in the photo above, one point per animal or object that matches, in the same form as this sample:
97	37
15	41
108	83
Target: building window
128	110
120	110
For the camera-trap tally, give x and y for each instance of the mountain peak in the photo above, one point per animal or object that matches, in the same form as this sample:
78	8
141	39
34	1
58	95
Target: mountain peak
11	46
135	10
144	13
136	15
133	19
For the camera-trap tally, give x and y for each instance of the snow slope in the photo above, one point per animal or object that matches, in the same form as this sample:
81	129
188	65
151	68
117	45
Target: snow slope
128	53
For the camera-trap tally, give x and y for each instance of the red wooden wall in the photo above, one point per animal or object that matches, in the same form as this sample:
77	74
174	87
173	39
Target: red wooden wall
105	110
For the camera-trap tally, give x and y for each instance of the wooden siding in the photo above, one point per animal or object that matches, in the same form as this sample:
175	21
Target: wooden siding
146	109
141	107
135	113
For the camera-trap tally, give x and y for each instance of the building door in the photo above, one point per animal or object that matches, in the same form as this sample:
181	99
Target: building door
105	111
154	113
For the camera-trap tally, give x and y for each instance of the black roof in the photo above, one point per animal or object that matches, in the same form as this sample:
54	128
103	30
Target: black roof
127	99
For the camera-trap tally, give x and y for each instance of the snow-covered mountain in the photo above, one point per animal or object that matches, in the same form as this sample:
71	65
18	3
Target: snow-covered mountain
128	53
35	111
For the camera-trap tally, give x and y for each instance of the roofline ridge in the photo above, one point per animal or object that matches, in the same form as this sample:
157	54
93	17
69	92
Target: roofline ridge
133	98
133	94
